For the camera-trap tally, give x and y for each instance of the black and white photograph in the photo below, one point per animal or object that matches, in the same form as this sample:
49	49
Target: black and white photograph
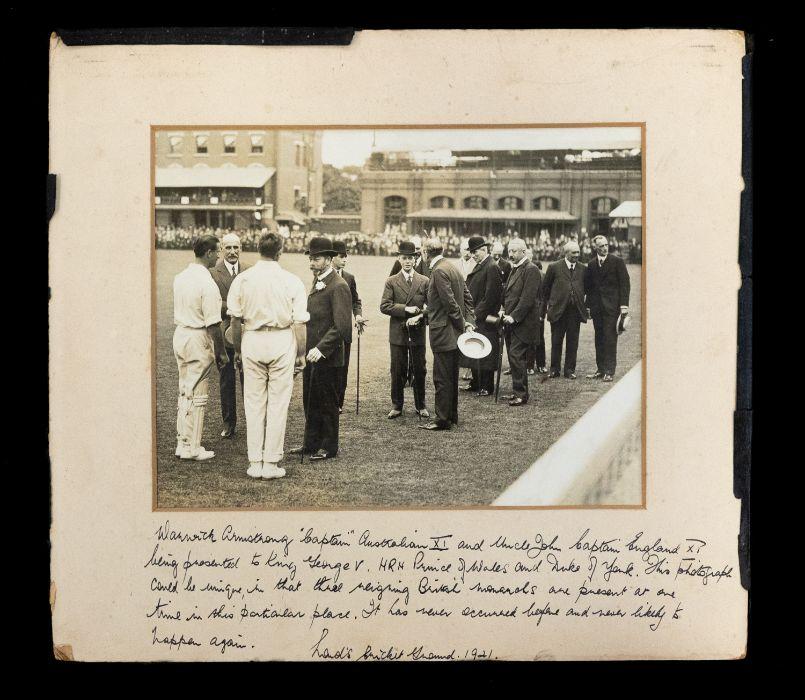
368	318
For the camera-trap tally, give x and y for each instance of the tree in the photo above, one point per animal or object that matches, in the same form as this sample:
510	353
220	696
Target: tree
342	191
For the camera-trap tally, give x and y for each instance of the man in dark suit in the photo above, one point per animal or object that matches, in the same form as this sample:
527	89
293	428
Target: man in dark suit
223	273
520	317
403	300
329	304
485	284
607	286
563	305
450	313
339	262
504	265
535	358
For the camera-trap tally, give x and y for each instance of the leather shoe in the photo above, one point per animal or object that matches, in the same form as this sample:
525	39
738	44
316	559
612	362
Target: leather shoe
570	376
506	397
530	372
469	387
507	371
321	454
394	413
518	401
483	392
543	370
554	375
423	413
595	375
607	378
228	433
298	451
434	425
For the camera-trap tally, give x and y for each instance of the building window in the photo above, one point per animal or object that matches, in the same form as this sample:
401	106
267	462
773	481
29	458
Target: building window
201	144
599	215
257	143
601	206
394	210
175	144
229	143
476	202
510	203
442	203
546	204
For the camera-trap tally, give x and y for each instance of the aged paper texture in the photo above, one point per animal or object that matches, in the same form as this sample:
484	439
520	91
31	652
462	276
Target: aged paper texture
660	581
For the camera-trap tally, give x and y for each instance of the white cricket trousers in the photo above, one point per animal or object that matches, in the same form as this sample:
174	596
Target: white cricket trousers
195	357
268	360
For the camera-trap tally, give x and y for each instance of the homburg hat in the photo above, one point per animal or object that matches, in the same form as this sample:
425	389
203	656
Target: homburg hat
623	322
320	246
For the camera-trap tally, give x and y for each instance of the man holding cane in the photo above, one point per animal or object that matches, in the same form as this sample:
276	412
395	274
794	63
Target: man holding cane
329	304
403	301
268	307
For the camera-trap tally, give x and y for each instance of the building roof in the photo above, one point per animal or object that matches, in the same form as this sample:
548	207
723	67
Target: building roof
627	210
293	216
214	177
493	215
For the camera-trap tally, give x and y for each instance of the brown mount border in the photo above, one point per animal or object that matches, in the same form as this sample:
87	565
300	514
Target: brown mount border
363	127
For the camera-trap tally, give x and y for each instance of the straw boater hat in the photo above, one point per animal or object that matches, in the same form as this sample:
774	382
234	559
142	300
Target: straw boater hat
406	248
476	242
497	249
321	246
474	345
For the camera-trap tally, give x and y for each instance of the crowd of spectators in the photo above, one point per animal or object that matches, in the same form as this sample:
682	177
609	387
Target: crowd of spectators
543	245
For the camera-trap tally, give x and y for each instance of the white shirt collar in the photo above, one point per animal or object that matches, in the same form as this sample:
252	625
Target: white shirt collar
435	260
233	269
602	258
521	261
569	264
322	276
408	275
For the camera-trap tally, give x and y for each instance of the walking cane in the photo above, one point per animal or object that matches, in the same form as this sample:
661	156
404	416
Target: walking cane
501	333
358	381
307	408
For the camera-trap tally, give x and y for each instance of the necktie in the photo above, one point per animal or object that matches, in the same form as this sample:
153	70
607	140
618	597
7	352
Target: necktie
233	271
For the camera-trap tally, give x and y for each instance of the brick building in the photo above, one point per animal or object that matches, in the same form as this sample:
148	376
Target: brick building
237	179
495	193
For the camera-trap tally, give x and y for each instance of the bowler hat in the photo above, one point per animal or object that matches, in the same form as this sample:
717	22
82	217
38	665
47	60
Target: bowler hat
406	248
476	242
340	247
320	246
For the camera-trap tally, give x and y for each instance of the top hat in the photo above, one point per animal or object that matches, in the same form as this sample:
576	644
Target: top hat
474	345
476	242
406	248
321	246
623	322
340	247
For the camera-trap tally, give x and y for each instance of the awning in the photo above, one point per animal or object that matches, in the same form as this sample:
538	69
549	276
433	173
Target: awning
213	177
547	215
627	210
292	216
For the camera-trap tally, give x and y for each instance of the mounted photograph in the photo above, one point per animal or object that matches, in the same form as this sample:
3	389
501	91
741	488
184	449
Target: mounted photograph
371	318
